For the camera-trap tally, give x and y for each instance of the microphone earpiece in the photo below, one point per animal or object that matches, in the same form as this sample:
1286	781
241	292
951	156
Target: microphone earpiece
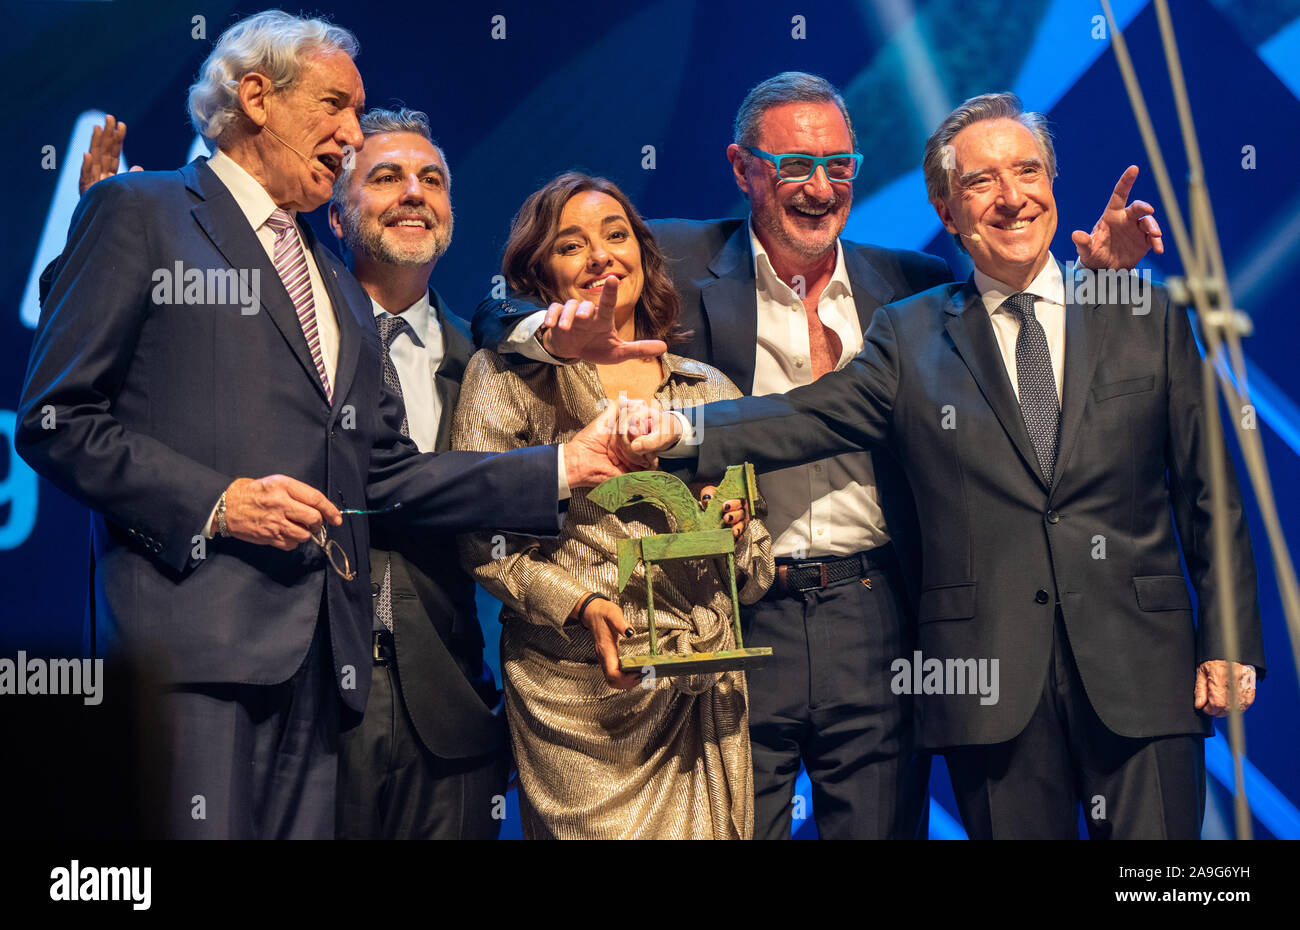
276	136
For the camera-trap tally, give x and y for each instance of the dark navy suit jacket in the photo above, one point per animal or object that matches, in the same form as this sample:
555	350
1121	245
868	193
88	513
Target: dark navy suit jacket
446	686
158	407
1001	549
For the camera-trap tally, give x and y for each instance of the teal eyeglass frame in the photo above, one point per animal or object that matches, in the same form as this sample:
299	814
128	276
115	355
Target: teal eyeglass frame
822	161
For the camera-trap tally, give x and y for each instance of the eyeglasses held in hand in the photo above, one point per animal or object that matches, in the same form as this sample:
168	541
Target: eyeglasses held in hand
334	552
797	167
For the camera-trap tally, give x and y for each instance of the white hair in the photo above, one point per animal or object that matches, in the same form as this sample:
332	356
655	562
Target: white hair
273	43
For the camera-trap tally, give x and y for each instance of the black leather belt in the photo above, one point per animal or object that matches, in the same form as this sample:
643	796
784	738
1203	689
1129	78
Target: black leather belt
383	649
794	577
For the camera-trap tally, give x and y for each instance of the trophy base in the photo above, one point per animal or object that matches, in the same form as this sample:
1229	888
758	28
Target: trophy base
698	663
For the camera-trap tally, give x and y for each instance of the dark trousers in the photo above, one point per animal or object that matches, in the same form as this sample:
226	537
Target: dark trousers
1031	787
392	787
256	761
824	697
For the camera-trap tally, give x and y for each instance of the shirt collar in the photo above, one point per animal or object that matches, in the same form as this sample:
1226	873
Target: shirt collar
418	316
248	192
1047	285
676	365
764	271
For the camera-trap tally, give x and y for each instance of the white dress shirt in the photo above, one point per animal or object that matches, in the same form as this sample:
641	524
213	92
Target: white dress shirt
826	508
830	507
417	352
257	207
1049	288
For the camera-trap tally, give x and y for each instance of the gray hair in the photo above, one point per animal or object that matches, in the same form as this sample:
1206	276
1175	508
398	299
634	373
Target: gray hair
937	163
273	43
786	87
379	121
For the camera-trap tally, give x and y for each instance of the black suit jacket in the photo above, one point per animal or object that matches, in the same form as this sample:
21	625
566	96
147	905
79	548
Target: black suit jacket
158	407
712	267
1000	547
447	688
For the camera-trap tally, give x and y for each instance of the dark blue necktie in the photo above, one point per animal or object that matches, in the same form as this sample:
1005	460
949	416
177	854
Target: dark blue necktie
390	327
1038	401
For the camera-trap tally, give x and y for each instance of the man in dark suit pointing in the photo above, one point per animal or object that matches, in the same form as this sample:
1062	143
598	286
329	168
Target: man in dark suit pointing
207	378
1053	445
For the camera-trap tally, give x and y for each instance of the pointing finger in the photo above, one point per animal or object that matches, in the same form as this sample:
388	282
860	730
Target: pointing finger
608	298
1122	188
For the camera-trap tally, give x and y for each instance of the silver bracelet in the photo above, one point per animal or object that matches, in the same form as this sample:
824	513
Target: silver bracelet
222	529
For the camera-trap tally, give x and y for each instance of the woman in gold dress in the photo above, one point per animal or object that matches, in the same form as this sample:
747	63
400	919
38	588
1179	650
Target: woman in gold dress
603	754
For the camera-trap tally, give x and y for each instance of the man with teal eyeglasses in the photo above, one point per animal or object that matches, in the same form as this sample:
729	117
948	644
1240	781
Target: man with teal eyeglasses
775	301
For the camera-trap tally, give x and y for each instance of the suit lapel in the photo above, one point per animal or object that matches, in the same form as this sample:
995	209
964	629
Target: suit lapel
348	313
971	332
731	310
870	290
1085	329
456	350
225	224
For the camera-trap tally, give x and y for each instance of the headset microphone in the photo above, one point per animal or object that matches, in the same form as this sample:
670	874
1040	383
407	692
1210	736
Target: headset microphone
276	137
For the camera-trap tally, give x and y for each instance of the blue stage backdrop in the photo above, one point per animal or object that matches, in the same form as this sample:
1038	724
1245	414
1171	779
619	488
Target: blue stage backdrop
645	93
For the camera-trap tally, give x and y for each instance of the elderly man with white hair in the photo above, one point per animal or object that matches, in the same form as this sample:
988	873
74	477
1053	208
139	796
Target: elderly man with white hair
207	379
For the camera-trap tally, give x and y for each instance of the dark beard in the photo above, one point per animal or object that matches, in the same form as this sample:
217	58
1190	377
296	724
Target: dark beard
370	242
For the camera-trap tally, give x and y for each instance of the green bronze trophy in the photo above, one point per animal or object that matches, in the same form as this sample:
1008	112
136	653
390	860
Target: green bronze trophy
700	535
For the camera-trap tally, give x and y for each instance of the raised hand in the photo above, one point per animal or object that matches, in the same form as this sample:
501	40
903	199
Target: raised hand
276	511
1213	690
1125	232
581	329
105	154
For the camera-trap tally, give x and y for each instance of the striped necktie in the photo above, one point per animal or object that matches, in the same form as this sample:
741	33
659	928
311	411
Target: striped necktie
291	265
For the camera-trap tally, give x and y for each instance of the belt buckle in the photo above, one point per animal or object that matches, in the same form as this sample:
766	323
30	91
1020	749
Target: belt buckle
384	654
821	572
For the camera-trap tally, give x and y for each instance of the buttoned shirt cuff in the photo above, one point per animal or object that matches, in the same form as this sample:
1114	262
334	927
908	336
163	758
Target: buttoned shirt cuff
684	447
523	339
562	487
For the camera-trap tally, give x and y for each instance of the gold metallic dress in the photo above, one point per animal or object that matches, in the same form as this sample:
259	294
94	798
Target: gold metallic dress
670	760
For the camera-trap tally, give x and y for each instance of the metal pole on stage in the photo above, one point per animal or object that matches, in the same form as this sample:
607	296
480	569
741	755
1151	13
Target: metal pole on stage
1205	286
